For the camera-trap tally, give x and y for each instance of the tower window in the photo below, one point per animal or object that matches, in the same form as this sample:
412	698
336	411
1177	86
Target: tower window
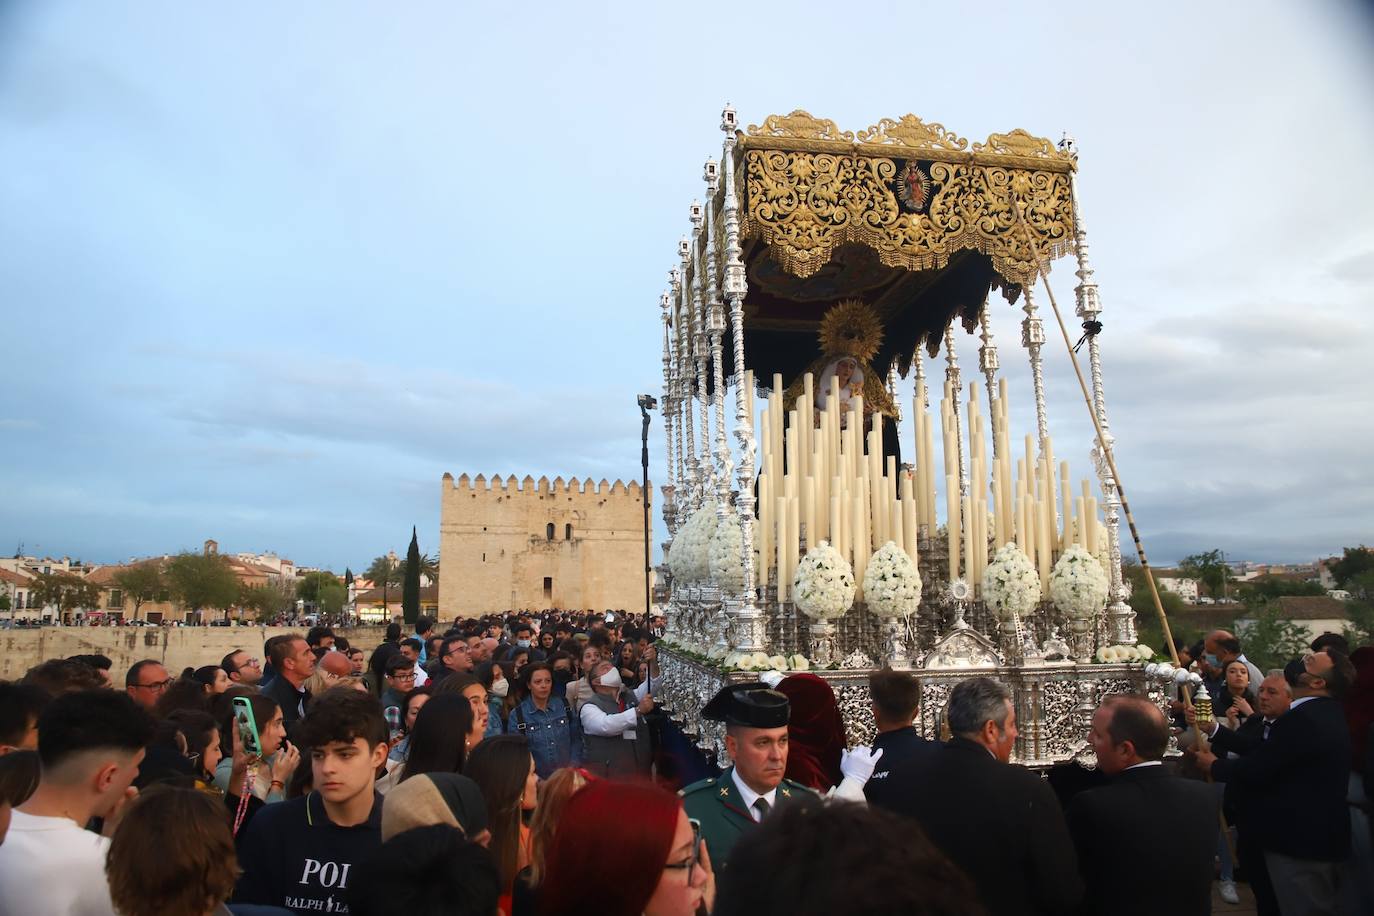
548	532
567	532
548	588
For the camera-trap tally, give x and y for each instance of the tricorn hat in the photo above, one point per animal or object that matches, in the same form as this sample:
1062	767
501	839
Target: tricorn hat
751	705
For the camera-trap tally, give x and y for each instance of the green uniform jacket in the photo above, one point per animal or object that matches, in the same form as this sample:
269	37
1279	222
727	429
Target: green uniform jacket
718	806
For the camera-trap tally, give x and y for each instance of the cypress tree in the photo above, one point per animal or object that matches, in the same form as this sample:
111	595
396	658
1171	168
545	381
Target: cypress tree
410	586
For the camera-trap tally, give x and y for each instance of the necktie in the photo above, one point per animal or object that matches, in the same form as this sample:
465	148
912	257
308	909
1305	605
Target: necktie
761	806
1267	723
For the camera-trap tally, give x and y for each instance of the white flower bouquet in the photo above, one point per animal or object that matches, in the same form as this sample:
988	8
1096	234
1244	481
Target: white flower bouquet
892	584
1011	585
725	559
1109	655
689	557
1078	586
824	584
762	661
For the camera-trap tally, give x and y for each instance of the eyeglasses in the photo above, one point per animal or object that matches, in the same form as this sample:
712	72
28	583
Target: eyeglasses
402	677
156	685
691	862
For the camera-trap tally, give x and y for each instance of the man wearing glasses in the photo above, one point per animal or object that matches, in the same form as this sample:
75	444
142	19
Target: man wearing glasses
146	682
454	657
242	668
400	680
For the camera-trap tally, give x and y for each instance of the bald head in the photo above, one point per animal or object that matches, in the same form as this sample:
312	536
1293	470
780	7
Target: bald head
337	664
1126	730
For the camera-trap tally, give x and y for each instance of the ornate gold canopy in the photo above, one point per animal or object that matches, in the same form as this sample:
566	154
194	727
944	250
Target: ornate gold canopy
914	193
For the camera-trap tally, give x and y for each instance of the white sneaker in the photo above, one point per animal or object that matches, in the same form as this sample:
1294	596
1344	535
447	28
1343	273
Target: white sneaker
1227	889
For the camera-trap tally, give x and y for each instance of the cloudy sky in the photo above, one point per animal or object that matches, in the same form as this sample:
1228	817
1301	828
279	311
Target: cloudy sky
267	272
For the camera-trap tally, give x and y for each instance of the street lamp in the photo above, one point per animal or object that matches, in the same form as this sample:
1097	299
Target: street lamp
646	403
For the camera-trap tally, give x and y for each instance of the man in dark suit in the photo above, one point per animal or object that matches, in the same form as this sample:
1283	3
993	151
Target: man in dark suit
294	663
896	700
1294	787
1272	700
1145	814
1001	824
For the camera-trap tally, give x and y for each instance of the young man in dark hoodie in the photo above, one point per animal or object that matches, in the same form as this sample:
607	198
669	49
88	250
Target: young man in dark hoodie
300	854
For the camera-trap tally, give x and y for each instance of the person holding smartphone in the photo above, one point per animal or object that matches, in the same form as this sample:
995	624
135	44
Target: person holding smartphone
271	763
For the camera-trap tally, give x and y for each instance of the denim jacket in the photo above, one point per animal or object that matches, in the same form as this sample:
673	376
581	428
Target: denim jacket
554	734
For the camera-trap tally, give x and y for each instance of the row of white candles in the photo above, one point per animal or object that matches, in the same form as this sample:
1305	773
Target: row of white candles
830	482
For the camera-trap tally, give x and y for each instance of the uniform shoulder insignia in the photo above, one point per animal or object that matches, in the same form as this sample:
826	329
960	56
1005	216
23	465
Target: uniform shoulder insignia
697	786
788	788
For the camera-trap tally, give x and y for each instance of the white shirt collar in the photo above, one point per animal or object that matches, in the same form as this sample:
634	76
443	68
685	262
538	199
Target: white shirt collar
1299	701
750	796
1145	763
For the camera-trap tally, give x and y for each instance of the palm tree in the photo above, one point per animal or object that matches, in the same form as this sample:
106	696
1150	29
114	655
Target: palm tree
385	571
429	567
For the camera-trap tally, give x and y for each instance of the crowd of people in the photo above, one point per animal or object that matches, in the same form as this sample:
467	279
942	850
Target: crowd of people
519	765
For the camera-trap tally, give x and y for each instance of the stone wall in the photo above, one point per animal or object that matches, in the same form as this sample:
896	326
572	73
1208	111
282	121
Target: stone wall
175	647
527	545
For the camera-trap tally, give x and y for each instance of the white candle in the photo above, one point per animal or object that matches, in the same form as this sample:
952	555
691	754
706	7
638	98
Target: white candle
952	523
784	575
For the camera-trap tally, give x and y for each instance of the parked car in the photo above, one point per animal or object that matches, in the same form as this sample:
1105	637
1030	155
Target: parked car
1203	599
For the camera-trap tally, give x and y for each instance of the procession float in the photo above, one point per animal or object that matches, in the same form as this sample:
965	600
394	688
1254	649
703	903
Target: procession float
819	296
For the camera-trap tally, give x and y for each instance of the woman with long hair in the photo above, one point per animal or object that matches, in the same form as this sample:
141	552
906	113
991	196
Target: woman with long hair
265	775
553	795
472	690
439	742
203	750
542	719
491	675
213	678
410	709
660	866
504	770
1237	698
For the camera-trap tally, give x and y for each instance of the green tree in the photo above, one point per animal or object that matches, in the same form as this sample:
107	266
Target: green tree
1361	585
201	580
1356	561
270	601
1257	593
410	588
1148	628
140	583
1359	628
66	591
1208	568
322	591
429	567
385	574
1271	641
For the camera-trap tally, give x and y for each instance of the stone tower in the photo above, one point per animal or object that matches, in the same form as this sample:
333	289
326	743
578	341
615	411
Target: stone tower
521	545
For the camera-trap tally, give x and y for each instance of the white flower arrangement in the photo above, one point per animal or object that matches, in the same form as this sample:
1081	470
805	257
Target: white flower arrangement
688	556
1011	585
892	584
725	559
824	584
1078	586
762	661
1109	655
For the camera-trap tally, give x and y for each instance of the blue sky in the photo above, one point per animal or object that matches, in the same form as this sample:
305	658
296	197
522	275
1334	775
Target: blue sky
267	273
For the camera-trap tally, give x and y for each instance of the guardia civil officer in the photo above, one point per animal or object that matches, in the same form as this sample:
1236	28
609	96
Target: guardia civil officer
728	805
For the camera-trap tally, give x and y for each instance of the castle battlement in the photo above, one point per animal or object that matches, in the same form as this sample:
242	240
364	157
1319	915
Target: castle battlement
511	543
481	484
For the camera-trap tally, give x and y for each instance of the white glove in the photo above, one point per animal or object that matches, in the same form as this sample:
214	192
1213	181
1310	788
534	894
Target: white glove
859	763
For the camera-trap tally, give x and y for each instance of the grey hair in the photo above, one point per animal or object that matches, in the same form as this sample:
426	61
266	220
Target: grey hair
974	702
